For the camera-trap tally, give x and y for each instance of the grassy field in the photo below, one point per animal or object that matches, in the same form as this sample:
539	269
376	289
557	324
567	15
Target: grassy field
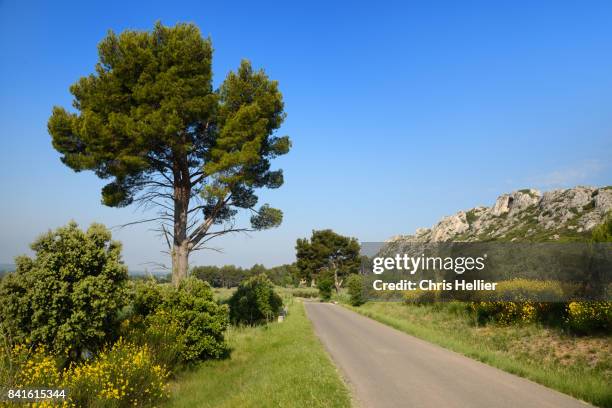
278	365
579	366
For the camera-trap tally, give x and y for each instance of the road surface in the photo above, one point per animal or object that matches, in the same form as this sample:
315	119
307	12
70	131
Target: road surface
388	368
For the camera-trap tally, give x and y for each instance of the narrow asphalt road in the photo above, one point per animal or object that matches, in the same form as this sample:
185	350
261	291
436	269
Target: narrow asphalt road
388	368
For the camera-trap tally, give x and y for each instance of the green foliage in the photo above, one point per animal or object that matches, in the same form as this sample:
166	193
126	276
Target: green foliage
180	325
68	296
201	320
149	121
356	289
266	217
283	275
471	216
325	284
230	276
164	335
603	232
327	251
147	297
147	88
255	301
226	276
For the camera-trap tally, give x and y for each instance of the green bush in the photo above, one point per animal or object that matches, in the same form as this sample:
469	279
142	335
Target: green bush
161	334
147	297
180	325
356	290
325	285
201	321
603	232
68	296
255	301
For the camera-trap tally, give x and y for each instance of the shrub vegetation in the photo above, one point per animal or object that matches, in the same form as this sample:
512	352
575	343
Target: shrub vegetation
356	290
68	296
181	325
325	285
255	301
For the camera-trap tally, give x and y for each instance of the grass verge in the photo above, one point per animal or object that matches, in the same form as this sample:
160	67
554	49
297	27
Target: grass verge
578	366
278	365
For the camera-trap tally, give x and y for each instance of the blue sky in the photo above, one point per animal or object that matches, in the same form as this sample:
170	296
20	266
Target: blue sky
400	113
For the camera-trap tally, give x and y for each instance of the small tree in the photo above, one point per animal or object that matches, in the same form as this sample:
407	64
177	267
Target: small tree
66	297
255	301
183	324
149	120
327	251
325	283
356	289
201	320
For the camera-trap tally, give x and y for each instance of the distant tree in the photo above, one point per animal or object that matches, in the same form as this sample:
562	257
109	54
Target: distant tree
327	251
284	275
149	120
257	269
356	289
325	283
208	273
231	275
68	296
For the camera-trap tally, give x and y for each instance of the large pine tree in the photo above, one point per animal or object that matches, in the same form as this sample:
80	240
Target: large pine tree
150	121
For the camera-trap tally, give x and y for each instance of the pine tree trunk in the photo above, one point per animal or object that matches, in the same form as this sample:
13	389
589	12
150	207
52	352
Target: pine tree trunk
180	262
336	283
181	244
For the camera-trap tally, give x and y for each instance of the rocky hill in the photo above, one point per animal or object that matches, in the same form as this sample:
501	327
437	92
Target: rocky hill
524	215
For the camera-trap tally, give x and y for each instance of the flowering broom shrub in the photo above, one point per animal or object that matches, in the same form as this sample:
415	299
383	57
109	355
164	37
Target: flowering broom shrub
24	365
124	375
584	317
521	300
419	296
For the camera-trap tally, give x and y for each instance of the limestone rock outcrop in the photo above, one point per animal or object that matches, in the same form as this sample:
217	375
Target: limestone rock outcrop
524	215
